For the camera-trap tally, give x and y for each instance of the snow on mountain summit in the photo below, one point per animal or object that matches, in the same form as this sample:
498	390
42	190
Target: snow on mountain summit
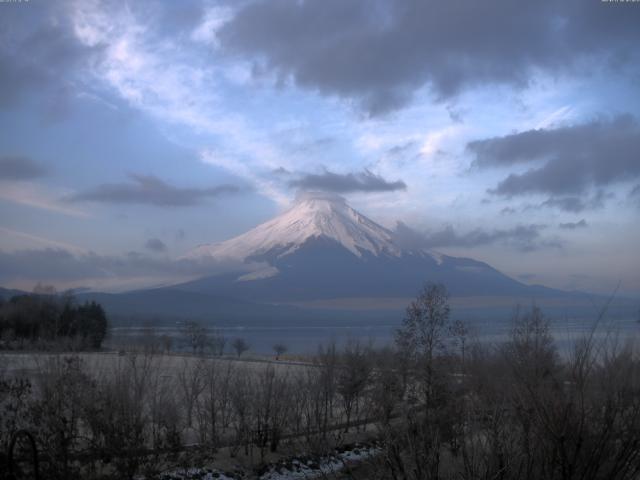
314	215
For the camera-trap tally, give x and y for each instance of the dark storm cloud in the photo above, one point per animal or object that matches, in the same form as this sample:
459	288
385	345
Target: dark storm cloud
568	204
150	190
573	159
155	245
576	204
379	53
365	181
16	167
40	54
574	225
525	238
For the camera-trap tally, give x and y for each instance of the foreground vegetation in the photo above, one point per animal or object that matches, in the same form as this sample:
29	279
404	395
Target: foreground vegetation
438	405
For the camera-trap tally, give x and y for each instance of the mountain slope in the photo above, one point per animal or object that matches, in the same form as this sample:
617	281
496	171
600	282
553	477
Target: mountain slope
313	216
322	248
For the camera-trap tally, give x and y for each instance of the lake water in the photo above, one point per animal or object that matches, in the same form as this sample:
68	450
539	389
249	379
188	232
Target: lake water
306	339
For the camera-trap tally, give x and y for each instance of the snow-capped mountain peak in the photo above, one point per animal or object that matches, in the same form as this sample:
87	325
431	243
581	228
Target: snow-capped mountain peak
321	248
315	215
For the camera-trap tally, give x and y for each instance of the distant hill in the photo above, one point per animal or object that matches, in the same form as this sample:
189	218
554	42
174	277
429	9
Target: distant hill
6	293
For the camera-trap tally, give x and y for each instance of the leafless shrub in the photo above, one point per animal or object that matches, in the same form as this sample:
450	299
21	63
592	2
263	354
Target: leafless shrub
240	346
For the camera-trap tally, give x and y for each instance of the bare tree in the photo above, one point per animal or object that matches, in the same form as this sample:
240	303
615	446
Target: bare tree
413	450
269	412
240	346
459	333
117	416
166	341
353	377
214	407
241	402
218	342
387	388
196	336
191	381
279	349
298	401
58	413
423	333
323	393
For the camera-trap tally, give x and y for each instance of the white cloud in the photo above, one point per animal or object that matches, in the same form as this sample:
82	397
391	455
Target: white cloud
162	79
554	118
212	157
214	18
434	140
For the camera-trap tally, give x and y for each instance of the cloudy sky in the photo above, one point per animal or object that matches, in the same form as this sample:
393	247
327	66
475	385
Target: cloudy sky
131	131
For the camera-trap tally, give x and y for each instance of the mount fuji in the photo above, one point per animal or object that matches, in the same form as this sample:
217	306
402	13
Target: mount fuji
323	249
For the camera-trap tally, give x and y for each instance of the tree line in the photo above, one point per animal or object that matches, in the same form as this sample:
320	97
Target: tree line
199	339
51	321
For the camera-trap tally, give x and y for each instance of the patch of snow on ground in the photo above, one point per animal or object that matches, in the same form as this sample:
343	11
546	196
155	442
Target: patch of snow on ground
291	469
296	469
199	474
